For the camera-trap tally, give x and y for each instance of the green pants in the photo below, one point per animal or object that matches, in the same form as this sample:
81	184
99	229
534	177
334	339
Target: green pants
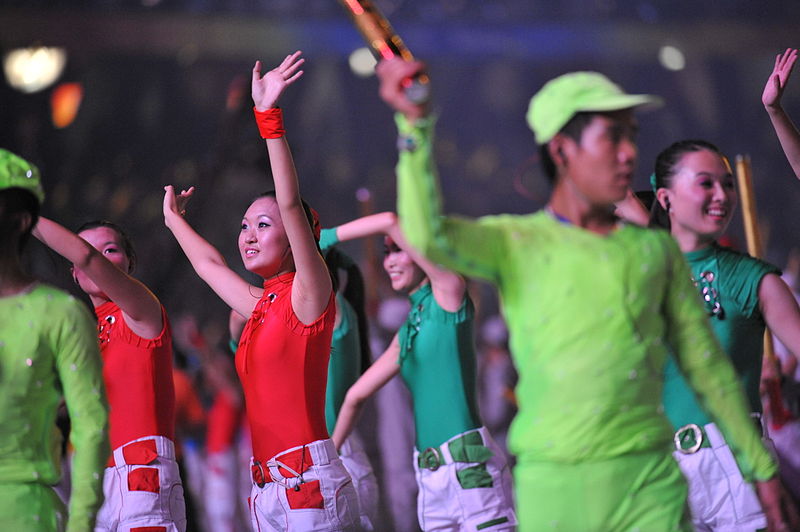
31	507
644	492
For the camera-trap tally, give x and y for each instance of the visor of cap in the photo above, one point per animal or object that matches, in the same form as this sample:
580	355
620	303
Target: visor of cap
562	98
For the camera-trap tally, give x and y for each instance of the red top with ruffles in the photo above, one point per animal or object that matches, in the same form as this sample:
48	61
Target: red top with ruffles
283	366
138	378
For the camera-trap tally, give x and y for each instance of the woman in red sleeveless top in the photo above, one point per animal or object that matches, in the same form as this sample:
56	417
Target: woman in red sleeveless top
299	482
141	482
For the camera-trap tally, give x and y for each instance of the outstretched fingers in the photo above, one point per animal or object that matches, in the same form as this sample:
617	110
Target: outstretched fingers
289	68
784	64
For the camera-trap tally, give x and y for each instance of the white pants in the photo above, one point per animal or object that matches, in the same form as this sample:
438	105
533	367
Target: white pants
465	496
719	498
356	462
303	489
143	489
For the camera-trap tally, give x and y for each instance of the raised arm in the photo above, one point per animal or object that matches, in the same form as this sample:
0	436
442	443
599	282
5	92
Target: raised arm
206	260
141	308
312	285
448	287
378	374
448	241
787	132
781	312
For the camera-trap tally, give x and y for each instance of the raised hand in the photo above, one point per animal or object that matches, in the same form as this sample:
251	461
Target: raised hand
268	88
784	63
393	75
176	204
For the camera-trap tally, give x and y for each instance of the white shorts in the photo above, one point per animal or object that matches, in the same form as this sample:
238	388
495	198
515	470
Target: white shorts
465	484
303	489
719	498
356	462
143	489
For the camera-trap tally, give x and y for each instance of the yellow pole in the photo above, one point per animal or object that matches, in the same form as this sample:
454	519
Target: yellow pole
751	230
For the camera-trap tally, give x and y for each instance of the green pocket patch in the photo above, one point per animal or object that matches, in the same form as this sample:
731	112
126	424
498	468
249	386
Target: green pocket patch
474	477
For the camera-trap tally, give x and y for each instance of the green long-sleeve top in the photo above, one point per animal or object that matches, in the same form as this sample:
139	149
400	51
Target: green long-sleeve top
48	350
591	321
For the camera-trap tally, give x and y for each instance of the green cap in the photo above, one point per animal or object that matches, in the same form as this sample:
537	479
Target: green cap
16	172
563	97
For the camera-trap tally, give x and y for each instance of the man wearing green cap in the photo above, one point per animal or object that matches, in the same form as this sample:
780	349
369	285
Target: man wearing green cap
592	305
48	352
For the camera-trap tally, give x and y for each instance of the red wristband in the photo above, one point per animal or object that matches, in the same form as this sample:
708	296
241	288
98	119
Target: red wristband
270	123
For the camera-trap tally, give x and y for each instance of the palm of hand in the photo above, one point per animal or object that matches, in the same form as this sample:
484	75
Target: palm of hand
267	89
776	83
773	90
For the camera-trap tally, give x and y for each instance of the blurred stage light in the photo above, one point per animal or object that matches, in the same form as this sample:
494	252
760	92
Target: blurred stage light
362	62
671	58
33	69
363	194
64	103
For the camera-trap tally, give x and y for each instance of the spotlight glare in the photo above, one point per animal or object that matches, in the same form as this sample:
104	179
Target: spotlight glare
362	62
671	58
33	69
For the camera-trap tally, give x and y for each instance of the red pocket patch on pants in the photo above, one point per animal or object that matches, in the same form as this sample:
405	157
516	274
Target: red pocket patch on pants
143	479
149	529
308	496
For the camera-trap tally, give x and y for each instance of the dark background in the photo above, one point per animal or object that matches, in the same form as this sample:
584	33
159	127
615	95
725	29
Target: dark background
160	106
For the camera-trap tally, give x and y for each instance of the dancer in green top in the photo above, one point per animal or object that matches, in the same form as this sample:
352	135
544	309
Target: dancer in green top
350	358
695	199
463	478
48	352
593	306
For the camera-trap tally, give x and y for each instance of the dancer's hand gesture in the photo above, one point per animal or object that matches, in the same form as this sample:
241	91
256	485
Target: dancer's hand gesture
393	75
268	88
176	203
784	63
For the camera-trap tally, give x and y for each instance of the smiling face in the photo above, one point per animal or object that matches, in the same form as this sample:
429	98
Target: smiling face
600	165
404	274
108	242
702	197
263	243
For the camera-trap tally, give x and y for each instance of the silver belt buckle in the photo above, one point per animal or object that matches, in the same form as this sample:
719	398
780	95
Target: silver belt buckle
698	438
430	459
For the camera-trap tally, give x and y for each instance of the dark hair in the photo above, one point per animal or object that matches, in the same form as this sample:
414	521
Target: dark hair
354	293
15	202
572	129
127	243
313	223
665	169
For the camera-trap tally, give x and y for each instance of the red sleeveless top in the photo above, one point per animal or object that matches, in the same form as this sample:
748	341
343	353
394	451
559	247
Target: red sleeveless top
138	378
283	366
